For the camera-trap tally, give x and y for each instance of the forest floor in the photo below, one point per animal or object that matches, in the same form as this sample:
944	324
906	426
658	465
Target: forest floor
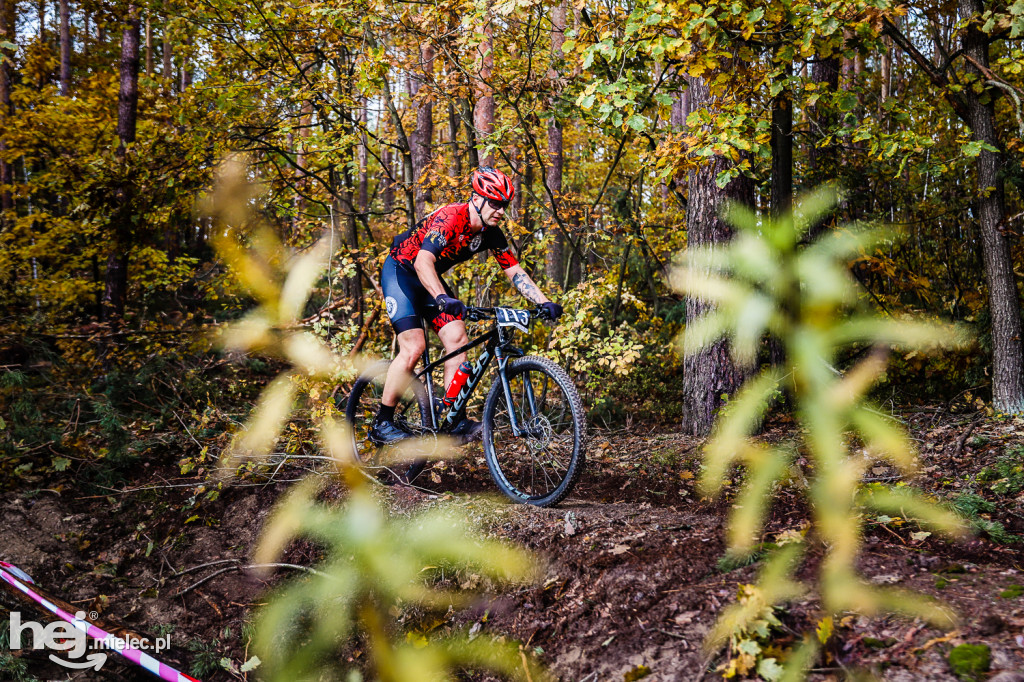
632	572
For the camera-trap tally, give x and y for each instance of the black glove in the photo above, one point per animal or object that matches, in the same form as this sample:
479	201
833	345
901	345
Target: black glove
452	306
552	310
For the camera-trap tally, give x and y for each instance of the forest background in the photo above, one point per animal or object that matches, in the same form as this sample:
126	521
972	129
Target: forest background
626	126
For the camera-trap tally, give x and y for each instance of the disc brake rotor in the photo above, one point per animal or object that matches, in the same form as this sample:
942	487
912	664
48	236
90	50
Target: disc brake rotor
538	432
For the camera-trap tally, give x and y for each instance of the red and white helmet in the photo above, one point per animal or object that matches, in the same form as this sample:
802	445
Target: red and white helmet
493	184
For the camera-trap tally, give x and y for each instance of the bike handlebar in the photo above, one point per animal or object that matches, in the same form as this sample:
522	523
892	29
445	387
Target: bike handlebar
474	314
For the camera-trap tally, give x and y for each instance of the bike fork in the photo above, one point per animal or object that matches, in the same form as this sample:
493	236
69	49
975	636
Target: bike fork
517	428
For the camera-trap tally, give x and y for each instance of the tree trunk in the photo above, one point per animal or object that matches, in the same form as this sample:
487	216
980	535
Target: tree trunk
824	72
885	70
167	54
554	260
186	67
406	155
483	114
782	183
387	194
527	186
128	94
821	160
363	185
453	133
6	170
709	374
519	159
65	48
468	116
1004	299
116	285
149	43
424	135
782	154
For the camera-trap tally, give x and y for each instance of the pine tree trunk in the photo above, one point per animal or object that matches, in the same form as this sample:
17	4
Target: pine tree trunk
824	73
468	117
424	134
116	285
483	114
554	260
453	133
6	170
149	43
404	153
167	54
821	160
782	182
186	67
527	186
363	198
1004	298
709	374
65	48
782	154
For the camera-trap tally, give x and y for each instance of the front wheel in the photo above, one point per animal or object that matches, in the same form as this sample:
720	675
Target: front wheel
541	464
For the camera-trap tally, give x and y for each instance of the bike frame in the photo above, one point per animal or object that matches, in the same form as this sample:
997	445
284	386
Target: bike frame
498	347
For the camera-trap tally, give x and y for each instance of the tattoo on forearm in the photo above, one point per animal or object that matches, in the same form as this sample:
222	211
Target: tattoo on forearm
527	288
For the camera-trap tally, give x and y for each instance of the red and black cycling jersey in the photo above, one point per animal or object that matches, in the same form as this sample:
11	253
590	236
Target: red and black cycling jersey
447	234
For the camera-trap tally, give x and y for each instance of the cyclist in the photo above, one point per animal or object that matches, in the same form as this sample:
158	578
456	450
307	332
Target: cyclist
412	286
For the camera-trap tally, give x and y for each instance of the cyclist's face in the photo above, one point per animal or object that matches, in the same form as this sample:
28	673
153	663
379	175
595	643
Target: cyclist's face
491	212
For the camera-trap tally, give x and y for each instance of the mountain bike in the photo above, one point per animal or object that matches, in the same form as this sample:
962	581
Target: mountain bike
534	430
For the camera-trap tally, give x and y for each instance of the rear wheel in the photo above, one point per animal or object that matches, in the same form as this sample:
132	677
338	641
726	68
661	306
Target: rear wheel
542	464
361	405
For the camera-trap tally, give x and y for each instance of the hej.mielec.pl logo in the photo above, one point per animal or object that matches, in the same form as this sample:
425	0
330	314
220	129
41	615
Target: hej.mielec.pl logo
73	643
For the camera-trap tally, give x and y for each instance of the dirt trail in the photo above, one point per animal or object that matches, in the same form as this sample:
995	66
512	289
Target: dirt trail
631	580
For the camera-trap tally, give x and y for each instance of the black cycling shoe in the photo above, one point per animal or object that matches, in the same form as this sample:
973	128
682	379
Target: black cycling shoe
387	433
467	430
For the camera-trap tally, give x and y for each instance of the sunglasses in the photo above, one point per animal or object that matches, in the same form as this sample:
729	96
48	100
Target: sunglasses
495	204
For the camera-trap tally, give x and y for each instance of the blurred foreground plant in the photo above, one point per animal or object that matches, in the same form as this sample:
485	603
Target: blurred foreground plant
766	281
373	565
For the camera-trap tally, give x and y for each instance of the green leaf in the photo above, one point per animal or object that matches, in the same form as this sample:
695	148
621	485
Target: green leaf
770	670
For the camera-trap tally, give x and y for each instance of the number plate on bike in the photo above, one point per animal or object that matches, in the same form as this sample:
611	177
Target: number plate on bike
510	317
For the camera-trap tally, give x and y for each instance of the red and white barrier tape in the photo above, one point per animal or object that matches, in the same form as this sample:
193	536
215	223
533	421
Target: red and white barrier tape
17	578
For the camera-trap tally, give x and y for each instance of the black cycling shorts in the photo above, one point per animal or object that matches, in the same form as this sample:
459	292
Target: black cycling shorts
407	300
